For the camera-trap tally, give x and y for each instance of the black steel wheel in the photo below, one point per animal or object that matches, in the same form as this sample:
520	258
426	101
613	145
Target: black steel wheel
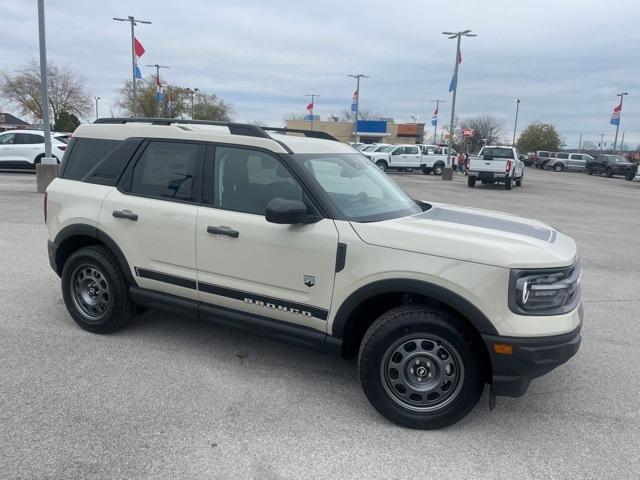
422	367
438	168
95	290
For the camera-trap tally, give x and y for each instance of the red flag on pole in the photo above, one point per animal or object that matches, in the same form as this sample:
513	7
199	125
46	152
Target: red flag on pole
138	48
310	107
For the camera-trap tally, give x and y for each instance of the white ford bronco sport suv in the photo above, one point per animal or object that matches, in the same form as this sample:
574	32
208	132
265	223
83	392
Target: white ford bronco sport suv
302	239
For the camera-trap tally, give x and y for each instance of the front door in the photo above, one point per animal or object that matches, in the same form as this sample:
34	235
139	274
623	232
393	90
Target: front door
28	146
7	154
152	216
283	272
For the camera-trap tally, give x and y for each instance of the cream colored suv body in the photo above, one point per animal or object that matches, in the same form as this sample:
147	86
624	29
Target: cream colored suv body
302	239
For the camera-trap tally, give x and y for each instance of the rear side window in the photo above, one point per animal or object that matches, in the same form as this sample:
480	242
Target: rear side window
563	155
166	170
85	153
27	139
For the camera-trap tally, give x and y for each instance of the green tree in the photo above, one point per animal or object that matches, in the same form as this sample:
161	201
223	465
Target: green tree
539	136
67	92
67	122
209	107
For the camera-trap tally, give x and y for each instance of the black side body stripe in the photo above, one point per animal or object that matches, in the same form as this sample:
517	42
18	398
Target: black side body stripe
269	302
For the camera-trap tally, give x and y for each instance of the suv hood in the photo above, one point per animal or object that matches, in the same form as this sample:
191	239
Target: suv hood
473	235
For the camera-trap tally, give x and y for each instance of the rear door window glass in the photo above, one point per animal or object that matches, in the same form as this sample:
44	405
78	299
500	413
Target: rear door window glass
84	155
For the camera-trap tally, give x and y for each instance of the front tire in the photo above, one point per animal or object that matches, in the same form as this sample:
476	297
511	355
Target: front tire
382	165
438	169
589	171
558	168
471	181
519	180
421	367
608	172
95	290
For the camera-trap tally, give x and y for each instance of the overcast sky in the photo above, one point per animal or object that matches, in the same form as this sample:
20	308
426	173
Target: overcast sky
565	59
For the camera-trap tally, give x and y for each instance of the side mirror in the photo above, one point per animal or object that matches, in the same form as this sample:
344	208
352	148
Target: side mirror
285	211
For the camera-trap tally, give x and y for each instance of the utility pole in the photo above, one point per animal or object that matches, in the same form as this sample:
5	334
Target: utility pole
134	21
313	99
615	141
447	174
435	120
602	135
192	92
355	123
621	142
158	86
580	143
515	126
96	99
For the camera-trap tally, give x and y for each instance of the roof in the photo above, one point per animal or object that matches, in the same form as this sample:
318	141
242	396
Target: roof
277	140
8	119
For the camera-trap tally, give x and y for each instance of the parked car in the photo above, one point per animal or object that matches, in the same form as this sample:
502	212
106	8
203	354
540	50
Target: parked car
496	164
569	161
25	148
396	157
302	240
434	158
612	165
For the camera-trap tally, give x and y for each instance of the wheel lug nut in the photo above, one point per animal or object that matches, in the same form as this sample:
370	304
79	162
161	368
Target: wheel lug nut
429	375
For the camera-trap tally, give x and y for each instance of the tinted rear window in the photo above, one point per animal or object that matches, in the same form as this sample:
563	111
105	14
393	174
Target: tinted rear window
84	155
497	152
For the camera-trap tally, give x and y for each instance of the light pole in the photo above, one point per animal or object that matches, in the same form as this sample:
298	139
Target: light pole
313	99
158	85
602	135
355	123
192	92
415	118
134	21
96	99
615	140
515	125
447	174
434	120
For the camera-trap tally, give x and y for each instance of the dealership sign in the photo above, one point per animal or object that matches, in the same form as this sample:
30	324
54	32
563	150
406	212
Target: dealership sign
468	132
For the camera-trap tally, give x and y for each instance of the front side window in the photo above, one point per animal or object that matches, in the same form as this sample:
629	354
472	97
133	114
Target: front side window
247	180
411	150
357	188
166	170
7	138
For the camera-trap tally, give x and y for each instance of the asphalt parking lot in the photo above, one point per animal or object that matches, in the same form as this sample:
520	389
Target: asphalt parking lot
169	398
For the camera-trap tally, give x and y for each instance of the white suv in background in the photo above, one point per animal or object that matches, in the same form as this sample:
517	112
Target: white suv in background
569	161
25	148
304	240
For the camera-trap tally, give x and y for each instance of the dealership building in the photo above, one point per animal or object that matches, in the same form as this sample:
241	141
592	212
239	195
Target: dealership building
368	131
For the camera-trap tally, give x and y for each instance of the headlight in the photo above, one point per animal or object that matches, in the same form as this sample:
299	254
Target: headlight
552	291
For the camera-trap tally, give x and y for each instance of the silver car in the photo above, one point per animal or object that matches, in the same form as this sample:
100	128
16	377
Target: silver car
569	161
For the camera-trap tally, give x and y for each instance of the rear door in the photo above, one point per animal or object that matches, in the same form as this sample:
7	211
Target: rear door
151	215
283	272
412	156
27	146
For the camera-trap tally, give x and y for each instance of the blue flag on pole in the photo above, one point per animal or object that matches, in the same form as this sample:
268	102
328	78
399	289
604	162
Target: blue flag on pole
138	74
615	116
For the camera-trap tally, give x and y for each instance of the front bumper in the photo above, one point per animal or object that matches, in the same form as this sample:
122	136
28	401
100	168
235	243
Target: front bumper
530	357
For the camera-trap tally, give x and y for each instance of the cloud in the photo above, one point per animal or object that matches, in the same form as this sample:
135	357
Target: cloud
564	60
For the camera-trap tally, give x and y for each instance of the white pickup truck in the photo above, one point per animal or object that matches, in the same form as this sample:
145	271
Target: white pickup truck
496	164
396	157
434	158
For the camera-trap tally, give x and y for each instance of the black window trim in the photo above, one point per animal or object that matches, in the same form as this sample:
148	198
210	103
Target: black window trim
124	183
208	180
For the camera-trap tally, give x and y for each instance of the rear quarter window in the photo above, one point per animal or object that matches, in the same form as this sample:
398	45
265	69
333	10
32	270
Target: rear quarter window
83	155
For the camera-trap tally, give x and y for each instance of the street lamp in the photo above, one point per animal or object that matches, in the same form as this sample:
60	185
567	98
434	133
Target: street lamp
415	118
158	85
515	126
447	174
192	92
96	99
355	123
134	21
615	141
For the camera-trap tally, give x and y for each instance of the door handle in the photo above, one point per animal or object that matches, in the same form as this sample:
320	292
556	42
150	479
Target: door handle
223	231
128	214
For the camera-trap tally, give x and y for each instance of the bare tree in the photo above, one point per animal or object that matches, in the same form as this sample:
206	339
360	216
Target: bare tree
487	131
363	114
67	92
294	116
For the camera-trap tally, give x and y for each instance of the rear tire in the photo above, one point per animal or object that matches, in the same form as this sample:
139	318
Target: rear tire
438	169
421	367
382	165
471	181
589	171
558	168
608	172
519	180
96	291
426	170
507	183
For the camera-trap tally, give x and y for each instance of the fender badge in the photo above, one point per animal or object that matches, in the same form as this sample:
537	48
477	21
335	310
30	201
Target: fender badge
309	280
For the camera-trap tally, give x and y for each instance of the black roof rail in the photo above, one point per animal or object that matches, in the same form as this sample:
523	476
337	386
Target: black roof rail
234	128
306	133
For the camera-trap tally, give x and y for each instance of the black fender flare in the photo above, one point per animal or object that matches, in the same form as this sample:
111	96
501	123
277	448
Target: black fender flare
82	229
436	292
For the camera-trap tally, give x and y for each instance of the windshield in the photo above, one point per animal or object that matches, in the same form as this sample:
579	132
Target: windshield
497	152
357	188
368	148
617	159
